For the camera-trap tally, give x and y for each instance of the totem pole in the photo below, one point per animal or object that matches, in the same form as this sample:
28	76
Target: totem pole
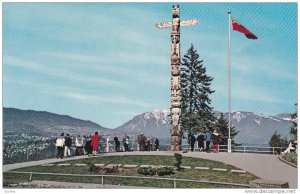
175	74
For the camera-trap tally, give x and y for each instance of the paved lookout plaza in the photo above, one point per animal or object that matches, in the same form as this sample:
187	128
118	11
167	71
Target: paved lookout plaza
264	166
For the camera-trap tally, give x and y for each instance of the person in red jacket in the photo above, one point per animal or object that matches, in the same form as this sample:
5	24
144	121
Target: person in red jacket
95	143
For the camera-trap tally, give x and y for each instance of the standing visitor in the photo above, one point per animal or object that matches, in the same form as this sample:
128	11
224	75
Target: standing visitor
200	140
142	142
84	143
207	139
88	146
95	143
156	144
117	143
68	144
60	143
126	142
193	140
79	146
215	139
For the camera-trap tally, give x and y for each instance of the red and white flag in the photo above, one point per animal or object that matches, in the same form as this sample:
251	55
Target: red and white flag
240	28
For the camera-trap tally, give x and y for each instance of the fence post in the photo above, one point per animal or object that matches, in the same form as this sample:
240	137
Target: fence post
107	145
244	149
174	183
273	150
30	177
101	180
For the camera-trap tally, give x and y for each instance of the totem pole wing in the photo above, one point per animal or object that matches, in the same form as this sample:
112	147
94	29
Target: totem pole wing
189	22
164	25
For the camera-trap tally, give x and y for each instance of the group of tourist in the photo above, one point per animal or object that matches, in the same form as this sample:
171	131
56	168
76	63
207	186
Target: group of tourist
88	145
143	143
146	144
206	137
84	145
125	143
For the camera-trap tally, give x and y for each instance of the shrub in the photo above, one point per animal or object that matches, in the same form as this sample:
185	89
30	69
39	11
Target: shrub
165	171
105	170
93	168
178	158
148	171
291	157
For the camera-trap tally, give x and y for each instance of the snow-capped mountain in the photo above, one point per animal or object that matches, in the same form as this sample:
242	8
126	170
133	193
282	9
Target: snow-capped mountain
254	128
154	123
258	128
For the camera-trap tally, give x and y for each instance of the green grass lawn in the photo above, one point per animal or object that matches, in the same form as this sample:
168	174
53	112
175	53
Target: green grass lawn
203	175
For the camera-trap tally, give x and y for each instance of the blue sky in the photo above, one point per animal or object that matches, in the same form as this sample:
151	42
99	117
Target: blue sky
106	62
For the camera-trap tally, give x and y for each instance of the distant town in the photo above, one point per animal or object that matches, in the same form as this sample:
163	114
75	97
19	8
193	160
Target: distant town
27	147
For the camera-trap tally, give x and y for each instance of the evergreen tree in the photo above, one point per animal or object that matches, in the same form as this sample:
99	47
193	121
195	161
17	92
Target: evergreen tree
196	112
294	128
222	128
277	141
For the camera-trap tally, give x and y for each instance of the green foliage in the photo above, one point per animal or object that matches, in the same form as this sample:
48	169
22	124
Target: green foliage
178	158
164	171
294	128
196	112
92	167
148	171
277	141
222	128
105	170
291	157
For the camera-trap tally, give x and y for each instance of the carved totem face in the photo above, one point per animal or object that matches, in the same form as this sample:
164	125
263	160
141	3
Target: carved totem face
175	12
175	70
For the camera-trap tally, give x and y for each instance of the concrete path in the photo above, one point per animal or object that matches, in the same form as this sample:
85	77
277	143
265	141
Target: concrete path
264	166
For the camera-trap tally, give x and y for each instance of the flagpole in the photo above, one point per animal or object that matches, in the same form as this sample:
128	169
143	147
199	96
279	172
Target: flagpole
229	83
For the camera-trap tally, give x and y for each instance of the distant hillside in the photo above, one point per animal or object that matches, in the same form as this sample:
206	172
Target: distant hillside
40	122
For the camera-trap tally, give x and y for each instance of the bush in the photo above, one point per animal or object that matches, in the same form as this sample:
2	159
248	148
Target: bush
178	158
106	170
148	171
291	157
165	171
93	168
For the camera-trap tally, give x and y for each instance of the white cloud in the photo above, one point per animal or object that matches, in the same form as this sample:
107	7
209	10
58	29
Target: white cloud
60	72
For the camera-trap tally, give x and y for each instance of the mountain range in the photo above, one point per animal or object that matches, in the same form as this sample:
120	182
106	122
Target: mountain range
253	128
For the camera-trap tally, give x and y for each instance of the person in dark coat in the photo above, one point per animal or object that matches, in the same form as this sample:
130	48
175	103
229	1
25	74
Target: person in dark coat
156	144
193	140
88	146
117	143
68	144
200	140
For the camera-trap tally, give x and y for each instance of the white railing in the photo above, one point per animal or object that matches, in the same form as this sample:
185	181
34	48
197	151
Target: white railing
222	148
36	154
175	180
243	149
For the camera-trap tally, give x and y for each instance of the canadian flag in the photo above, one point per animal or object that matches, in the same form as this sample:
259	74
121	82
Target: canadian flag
240	28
